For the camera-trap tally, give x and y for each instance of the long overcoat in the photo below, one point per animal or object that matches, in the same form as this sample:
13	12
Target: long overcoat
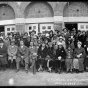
22	52
78	51
3	52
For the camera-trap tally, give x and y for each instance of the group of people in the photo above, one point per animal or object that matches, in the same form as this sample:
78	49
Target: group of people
57	51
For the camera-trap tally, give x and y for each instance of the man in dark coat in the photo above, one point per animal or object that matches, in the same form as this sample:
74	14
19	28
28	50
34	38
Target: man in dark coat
3	54
86	57
83	38
60	57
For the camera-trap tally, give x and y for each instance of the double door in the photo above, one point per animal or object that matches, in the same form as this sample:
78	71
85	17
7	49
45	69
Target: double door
45	28
10	28
30	27
39	28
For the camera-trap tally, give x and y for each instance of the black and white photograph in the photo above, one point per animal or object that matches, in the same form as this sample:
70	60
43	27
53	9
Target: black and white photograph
43	43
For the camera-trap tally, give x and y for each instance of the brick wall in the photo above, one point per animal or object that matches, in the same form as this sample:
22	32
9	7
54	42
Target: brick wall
20	28
76	9
38	10
6	12
58	26
59	6
47	9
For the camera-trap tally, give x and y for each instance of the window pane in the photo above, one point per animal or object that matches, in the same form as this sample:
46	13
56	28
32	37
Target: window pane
82	26
34	27
30	28
8	29
43	27
86	26
13	29
49	27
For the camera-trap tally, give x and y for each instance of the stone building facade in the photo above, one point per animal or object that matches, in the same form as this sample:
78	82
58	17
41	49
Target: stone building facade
39	16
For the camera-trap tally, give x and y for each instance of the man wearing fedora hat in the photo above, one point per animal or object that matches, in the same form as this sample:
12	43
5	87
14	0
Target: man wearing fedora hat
79	54
3	54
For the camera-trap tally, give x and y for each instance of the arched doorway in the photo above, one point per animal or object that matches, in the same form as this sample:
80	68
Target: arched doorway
7	15
39	15
74	14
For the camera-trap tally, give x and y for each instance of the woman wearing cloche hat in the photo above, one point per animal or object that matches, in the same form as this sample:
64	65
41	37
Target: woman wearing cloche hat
79	54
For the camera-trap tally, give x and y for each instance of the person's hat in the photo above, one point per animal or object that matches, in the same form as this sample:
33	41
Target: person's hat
47	35
60	37
64	28
1	40
33	31
59	43
79	43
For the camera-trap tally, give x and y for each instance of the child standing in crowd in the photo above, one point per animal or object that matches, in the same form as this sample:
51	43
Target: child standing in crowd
69	59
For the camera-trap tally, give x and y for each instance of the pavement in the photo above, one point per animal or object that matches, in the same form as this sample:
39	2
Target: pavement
21	78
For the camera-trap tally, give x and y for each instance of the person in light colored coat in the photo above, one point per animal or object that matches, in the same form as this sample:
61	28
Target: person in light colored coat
12	54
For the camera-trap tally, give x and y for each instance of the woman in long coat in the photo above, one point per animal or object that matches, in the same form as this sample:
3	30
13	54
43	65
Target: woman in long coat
79	54
60	57
86	57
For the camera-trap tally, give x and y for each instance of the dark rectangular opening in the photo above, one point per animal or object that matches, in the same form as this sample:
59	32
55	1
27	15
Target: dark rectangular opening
1	28
70	26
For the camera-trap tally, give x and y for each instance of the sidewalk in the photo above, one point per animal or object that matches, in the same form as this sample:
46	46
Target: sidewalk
42	78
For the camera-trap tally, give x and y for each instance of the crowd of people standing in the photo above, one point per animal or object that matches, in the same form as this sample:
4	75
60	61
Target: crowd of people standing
55	51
